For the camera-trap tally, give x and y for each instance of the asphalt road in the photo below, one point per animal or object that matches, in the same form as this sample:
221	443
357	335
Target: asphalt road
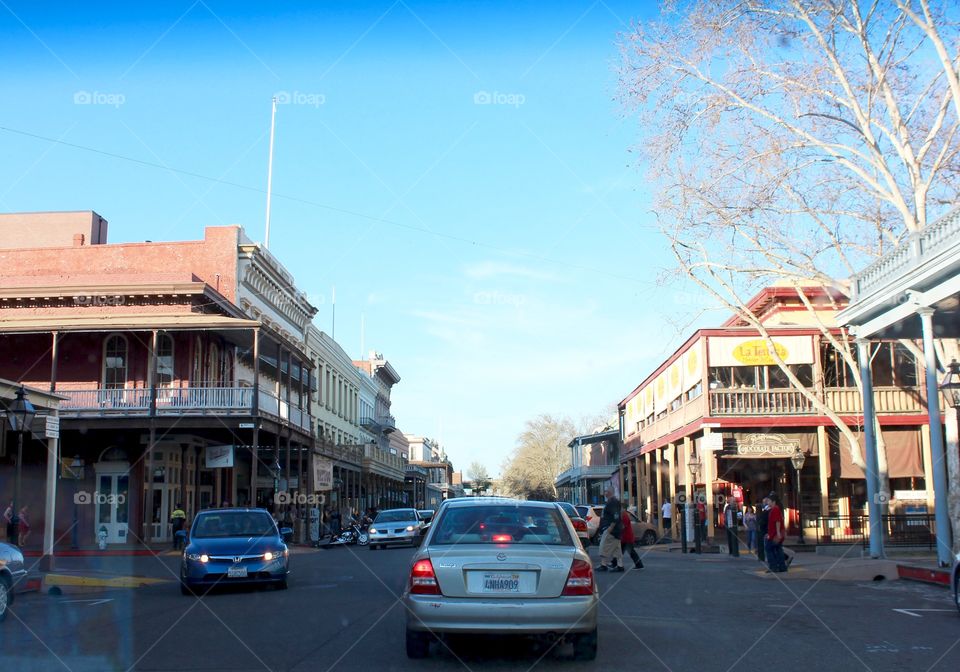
341	613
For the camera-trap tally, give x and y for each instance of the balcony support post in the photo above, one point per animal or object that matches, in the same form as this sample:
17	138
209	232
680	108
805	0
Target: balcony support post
940	493
870	439
255	406
54	357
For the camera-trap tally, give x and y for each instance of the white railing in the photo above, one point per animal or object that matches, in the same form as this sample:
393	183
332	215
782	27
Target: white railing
204	398
106	400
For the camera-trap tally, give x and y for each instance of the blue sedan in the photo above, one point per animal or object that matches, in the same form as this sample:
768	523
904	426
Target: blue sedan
234	546
12	570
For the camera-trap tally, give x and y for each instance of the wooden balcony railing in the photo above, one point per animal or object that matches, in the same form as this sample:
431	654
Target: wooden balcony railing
759	402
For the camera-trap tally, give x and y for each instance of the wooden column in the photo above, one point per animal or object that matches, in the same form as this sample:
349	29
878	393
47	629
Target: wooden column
823	457
708	459
927	454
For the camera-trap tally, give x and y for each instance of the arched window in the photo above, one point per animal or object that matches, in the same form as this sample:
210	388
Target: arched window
165	360
115	362
213	365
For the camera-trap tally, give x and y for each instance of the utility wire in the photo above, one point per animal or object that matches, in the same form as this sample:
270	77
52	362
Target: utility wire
332	208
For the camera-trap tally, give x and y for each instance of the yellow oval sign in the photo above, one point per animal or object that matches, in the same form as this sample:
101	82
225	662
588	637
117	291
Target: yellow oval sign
757	353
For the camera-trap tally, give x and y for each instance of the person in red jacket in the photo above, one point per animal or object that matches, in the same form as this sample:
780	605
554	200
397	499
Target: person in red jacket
627	541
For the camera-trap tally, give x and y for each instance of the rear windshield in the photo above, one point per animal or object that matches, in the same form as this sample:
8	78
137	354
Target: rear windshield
569	509
233	524
501	523
398	516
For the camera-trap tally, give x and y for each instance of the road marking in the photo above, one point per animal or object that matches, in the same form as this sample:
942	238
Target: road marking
911	612
91	603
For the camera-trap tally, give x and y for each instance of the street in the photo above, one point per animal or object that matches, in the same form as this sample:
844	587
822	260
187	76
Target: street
341	612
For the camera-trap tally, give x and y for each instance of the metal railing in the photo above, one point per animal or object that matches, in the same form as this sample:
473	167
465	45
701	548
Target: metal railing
915	530
204	398
121	400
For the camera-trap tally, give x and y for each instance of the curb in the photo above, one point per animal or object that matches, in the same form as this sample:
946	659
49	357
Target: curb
81	581
935	577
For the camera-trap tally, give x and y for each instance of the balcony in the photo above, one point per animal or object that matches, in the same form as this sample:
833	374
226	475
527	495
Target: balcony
182	401
382	463
844	401
379	423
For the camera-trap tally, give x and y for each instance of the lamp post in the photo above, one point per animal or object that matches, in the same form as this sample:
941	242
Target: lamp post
76	471
950	387
20	413
798	458
694	466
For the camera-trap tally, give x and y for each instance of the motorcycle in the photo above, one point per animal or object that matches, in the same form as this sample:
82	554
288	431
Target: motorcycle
353	534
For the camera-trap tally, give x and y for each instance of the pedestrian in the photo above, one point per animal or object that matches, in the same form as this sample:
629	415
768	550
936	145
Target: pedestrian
8	520
24	528
627	541
177	520
666	512
750	522
776	561
730	523
702	518
610	530
763	518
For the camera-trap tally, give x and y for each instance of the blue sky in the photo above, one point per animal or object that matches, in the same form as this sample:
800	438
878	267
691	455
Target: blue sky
516	271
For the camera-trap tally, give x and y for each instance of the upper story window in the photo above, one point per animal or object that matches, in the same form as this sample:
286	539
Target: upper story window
836	372
694	391
165	360
758	377
893	365
115	362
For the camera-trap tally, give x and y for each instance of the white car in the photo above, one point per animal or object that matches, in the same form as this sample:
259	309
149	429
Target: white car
396	526
643	532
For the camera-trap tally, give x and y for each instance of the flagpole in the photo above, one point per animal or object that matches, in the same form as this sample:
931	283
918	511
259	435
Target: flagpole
273	120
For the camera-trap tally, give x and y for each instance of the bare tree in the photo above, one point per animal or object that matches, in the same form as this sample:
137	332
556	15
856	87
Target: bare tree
540	456
795	140
478	475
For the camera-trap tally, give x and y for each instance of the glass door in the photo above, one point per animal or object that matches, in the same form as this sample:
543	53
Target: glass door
113	504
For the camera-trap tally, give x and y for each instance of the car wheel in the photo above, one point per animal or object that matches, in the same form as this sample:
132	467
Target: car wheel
363	539
6	596
585	646
418	644
649	538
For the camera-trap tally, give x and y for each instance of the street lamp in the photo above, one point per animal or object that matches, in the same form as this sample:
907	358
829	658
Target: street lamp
950	387
798	459
20	413
694	466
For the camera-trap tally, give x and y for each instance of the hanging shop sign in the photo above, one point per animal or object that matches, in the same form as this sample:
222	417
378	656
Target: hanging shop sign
322	474
219	457
767	445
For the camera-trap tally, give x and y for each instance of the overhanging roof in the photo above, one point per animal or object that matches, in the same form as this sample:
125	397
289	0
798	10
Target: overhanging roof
124	322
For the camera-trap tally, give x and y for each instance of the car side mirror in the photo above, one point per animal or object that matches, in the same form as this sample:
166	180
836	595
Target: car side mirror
286	533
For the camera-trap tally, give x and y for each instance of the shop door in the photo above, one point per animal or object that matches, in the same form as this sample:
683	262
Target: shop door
112	500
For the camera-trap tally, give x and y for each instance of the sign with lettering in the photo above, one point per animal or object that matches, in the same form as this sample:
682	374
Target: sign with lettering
219	457
767	445
739	351
322	474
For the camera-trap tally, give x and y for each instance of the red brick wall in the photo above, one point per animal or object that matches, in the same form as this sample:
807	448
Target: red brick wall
212	260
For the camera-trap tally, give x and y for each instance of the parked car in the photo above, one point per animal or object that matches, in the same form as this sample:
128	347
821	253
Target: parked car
12	570
396	526
230	546
493	566
643	532
579	524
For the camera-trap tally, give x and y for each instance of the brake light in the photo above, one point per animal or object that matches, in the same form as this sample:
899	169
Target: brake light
580	525
502	538
423	581
580	579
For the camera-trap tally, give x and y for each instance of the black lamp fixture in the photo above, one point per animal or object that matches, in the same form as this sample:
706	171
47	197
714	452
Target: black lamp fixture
693	464
798	459
20	415
950	387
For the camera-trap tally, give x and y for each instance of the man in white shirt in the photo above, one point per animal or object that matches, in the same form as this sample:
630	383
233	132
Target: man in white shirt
666	512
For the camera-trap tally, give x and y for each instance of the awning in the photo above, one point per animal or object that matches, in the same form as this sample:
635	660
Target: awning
124	322
904	459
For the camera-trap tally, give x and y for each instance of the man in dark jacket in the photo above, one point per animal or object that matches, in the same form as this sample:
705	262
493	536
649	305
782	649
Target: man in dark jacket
763	516
610	529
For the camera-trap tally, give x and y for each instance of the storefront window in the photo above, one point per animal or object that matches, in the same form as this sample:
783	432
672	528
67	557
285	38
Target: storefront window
893	365
836	372
777	378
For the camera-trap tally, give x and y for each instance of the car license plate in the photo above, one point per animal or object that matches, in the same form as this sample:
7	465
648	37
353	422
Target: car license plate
237	572
501	583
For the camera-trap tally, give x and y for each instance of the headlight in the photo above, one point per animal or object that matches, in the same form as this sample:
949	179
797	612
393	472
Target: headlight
202	557
268	556
410	528
372	530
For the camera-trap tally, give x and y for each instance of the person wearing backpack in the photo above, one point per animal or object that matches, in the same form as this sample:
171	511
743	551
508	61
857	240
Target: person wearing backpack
627	541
